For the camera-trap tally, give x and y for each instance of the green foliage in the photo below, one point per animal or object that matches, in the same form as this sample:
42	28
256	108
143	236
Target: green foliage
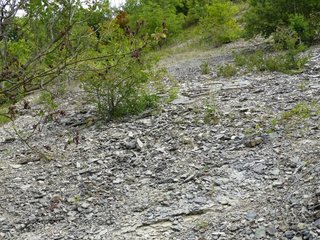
61	40
36	49
303	85
252	61
211	115
299	24
298	114
285	38
202	225
219	25
227	70
286	61
205	68
3	115
47	99
301	110
173	94
217	18
119	84
77	198
95	14
157	16
195	10
4	119
274	122
265	16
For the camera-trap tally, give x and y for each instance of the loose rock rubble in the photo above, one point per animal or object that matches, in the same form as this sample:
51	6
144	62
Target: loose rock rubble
172	174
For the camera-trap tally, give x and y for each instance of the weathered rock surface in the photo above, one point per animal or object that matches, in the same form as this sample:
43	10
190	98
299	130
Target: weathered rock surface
170	175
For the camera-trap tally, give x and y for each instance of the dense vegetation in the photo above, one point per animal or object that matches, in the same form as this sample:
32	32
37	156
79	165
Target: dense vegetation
56	42
299	16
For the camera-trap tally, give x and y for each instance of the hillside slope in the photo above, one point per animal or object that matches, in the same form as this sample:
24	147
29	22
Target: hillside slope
218	162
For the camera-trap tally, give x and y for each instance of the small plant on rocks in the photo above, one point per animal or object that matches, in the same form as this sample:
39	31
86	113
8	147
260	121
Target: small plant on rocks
227	70
301	111
211	115
286	62
202	225
172	94
205	68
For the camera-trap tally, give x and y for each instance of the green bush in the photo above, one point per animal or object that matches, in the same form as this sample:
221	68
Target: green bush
4	118
157	16
252	61
285	38
288	41
286	61
301	110
205	68
60	41
36	49
119	85
195	10
211	114
227	70
265	16
299	24
219	25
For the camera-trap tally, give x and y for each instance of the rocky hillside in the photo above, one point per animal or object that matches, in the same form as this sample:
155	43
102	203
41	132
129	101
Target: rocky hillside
227	159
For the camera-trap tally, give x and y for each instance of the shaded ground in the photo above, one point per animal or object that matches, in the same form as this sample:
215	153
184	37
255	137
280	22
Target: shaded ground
225	168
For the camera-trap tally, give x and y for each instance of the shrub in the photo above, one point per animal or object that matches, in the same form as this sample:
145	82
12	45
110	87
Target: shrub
284	38
195	11
205	68
301	110
120	84
299	24
252	61
172	94
36	49
265	16
4	118
287	61
219	24
227	70
211	115
156	16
